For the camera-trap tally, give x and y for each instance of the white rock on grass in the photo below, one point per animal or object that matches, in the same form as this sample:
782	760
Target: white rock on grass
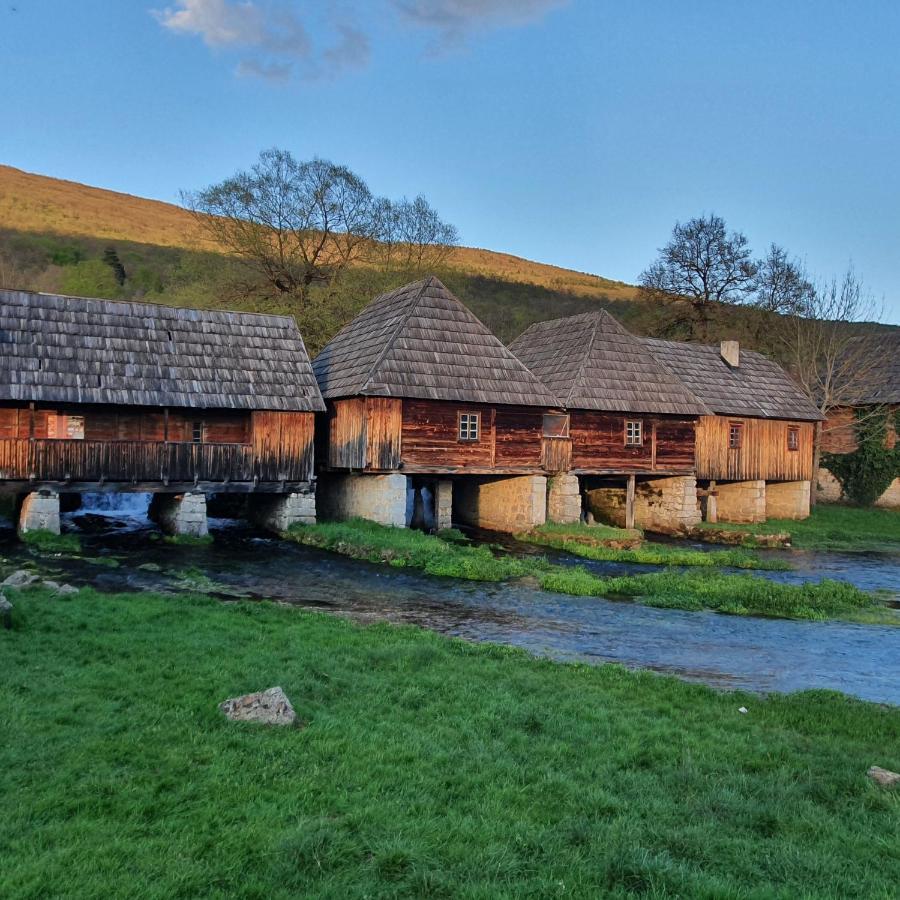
270	707
6	609
884	777
20	579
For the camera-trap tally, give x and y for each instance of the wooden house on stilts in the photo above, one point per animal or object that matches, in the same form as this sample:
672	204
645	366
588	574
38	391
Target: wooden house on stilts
631	424
98	395
431	419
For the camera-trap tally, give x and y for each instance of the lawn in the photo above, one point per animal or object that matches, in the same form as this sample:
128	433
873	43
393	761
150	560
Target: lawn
835	527
450	556
427	768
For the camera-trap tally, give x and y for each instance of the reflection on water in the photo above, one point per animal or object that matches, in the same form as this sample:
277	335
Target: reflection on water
724	651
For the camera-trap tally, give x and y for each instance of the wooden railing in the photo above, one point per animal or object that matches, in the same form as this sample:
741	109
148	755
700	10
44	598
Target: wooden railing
143	461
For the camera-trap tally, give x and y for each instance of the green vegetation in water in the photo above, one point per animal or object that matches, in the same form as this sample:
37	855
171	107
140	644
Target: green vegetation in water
426	767
571	539
109	562
834	527
47	542
733	594
188	540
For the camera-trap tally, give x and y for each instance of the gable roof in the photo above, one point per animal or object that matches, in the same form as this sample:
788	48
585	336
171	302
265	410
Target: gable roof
757	387
591	362
883	375
420	342
80	350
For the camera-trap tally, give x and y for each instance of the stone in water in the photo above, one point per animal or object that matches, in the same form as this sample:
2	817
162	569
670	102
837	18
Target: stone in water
270	707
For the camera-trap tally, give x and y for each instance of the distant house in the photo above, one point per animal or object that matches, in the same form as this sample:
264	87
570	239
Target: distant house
631	423
754	450
430	418
882	394
100	395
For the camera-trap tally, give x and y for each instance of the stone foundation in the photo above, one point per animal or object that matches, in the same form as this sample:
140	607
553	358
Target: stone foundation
180	514
563	499
443	505
40	512
277	512
379	498
787	499
891	497
511	504
664	505
741	501
829	490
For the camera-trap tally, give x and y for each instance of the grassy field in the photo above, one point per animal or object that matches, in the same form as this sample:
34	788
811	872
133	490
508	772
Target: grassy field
426	768
731	594
835	527
587	541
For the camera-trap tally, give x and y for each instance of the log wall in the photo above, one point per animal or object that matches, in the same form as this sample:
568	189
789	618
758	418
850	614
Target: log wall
763	453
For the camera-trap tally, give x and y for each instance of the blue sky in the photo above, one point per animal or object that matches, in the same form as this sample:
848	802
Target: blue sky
573	132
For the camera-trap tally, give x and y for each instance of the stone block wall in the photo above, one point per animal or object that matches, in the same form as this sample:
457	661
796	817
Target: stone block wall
829	490
787	499
890	499
277	512
741	501
563	499
664	505
379	498
443	505
40	512
180	514
518	503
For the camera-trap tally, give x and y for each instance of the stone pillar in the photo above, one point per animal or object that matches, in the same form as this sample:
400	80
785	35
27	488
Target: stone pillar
563	500
741	501
667	505
890	499
180	514
517	503
379	498
277	512
787	499
443	505
40	512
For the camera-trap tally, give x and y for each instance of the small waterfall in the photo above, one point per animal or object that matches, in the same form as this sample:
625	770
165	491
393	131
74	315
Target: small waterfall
116	505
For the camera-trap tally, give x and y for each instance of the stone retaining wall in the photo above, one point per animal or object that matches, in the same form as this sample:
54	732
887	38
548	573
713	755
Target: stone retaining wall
518	503
787	499
741	501
379	498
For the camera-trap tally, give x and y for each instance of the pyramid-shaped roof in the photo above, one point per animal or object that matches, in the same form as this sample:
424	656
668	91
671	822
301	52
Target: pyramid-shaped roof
419	341
591	362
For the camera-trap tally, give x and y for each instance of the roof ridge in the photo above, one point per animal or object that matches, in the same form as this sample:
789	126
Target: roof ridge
587	354
399	327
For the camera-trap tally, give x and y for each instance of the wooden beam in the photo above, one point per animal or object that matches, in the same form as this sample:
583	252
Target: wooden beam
629	502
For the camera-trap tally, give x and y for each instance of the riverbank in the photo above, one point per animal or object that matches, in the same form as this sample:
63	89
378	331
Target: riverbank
835	527
730	594
426	766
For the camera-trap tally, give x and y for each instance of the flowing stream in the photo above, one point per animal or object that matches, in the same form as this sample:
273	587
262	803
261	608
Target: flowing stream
121	552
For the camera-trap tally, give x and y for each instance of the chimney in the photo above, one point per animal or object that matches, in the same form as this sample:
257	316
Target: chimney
731	353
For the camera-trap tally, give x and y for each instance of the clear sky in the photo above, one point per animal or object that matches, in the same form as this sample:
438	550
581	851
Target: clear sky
573	132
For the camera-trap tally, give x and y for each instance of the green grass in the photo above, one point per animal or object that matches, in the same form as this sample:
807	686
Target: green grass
835	527
571	539
427	767
732	594
48	542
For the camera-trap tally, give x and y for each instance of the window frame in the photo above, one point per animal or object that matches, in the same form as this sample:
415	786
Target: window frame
202	427
735	429
464	431
556	416
793	438
639	432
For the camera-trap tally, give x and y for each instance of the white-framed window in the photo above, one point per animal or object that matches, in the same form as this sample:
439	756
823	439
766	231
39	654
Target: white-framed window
634	433
469	426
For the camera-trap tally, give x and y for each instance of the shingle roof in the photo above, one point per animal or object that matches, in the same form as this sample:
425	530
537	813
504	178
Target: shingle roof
591	362
78	350
420	342
883	378
756	387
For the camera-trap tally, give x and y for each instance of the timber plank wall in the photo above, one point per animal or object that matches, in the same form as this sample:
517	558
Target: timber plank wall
763	454
130	445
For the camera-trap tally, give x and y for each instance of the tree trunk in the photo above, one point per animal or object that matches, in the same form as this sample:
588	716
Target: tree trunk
817	456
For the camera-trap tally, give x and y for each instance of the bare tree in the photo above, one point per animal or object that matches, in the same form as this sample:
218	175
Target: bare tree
293	223
412	235
703	265
833	360
780	284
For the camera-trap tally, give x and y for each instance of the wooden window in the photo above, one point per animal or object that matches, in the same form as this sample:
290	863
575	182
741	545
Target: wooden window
634	433
469	426
197	433
793	438
64	427
735	435
556	425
